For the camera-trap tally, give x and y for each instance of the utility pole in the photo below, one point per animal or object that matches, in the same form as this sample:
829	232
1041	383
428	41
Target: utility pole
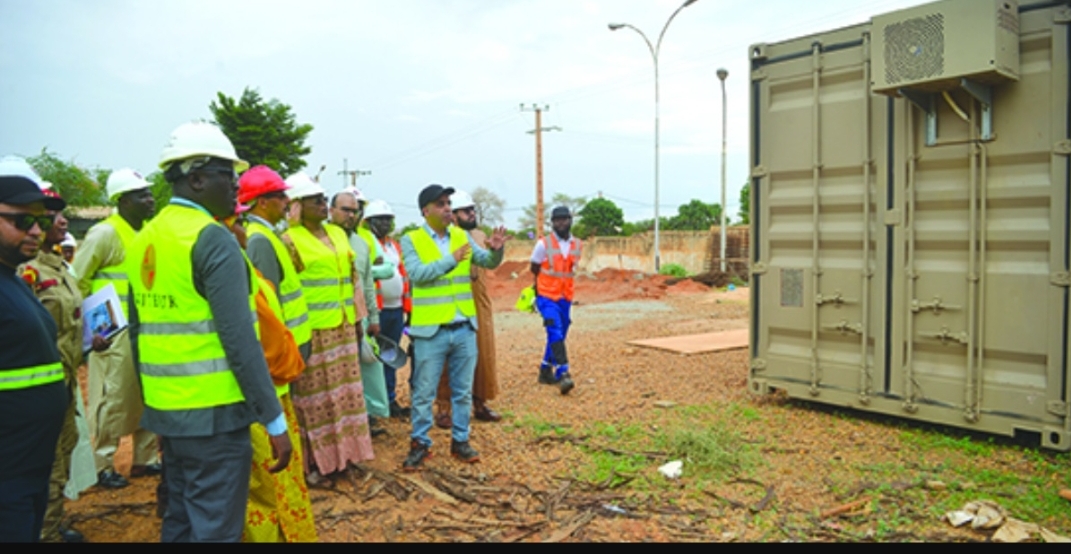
538	132
351	173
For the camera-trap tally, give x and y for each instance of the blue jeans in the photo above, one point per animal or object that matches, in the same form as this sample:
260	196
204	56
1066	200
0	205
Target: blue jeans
391	322
457	349
556	320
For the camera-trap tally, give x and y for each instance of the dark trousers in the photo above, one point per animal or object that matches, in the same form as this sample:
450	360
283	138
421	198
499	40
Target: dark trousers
391	322
207	487
22	506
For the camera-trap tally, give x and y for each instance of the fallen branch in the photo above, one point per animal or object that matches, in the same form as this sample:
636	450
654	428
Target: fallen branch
424	486
570	528
844	508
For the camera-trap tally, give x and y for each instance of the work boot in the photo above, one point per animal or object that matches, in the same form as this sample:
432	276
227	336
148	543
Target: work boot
415	459
566	383
146	470
109	479
464	451
546	376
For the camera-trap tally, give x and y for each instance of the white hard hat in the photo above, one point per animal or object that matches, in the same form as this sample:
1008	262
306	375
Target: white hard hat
356	192
124	180
68	240
377	208
46	185
461	199
301	186
199	139
16	167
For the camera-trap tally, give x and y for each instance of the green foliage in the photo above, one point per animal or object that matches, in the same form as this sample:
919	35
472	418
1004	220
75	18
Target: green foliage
489	206
406	229
602	217
263	132
695	216
673	270
715	449
77	185
745	204
161	190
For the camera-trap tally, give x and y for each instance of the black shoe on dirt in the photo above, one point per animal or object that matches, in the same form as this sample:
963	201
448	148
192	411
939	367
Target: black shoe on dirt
464	451
397	411
415	459
546	376
566	384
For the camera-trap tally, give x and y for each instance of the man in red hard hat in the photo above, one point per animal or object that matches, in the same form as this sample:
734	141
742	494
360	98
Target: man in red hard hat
265	190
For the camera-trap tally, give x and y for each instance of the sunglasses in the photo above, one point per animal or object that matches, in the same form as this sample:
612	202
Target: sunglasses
25	222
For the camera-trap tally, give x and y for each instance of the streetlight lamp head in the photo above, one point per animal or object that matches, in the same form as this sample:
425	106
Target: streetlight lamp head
723	73
616	26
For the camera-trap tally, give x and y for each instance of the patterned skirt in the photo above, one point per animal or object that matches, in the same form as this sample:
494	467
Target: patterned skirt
329	399
279	509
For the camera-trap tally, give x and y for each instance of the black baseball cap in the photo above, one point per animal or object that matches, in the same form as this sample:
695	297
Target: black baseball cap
432	193
20	185
560	211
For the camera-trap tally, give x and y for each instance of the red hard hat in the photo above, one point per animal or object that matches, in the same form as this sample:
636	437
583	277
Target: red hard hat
258	181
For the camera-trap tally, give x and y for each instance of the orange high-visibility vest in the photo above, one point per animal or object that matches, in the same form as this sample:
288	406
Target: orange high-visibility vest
555	280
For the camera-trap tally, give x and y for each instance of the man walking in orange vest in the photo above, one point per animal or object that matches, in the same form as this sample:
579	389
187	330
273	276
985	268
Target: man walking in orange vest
554	262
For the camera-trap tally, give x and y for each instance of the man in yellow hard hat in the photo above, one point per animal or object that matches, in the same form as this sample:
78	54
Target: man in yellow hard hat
195	335
114	395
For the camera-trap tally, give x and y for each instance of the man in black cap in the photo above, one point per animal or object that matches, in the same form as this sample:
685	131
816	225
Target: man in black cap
438	257
33	395
554	261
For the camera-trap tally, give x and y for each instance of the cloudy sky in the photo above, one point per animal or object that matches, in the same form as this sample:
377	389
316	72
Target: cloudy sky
414	91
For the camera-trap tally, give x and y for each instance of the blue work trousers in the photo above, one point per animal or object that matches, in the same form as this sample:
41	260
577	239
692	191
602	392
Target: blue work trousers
456	348
391	323
556	320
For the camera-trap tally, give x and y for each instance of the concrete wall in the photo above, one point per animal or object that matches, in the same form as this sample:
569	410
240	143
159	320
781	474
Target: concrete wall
692	250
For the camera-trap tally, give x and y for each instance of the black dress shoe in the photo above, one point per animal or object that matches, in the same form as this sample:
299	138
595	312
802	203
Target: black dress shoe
146	470
109	479
71	535
398	411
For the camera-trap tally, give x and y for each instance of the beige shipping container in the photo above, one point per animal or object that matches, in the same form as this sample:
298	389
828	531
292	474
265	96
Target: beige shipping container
910	217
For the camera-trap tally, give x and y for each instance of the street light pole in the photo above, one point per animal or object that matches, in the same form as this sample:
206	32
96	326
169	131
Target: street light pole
722	75
654	56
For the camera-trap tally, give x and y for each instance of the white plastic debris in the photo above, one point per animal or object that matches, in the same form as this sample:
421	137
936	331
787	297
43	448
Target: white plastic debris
672	470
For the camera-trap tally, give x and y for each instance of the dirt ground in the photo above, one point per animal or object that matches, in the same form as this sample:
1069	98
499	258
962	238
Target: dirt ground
533	483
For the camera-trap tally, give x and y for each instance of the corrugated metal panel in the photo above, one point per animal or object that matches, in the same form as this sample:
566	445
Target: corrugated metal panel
922	281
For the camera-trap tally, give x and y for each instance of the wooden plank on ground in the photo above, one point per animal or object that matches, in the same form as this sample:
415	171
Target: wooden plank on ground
697	344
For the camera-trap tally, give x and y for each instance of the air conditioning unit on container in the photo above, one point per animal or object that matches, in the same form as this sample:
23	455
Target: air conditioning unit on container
935	46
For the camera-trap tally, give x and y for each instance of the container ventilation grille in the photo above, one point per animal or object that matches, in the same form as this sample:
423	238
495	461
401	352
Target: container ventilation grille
915	49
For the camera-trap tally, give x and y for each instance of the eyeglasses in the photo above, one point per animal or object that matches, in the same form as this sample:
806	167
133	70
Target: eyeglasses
469	210
320	199
351	211
25	221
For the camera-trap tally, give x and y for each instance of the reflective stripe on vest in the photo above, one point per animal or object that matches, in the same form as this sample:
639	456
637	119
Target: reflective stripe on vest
555	279
295	310
27	377
438	302
116	274
182	363
327	278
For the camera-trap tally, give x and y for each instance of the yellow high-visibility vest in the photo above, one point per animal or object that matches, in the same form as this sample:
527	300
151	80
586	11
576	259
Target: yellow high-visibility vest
116	274
327	279
182	363
295	310
438	302
27	377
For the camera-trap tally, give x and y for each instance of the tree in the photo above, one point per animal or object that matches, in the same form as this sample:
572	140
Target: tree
77	185
696	216
489	206
263	132
602	217
745	204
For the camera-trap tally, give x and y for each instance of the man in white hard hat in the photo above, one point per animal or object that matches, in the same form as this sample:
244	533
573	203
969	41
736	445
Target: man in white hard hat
194	330
392	288
33	395
485	380
114	395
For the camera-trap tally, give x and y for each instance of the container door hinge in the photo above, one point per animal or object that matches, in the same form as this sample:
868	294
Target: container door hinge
1062	15
1062	147
893	218
759	171
1057	407
1061	279
759	268
758	364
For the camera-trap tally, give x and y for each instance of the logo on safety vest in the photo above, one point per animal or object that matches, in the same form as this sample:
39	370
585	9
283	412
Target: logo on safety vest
148	267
